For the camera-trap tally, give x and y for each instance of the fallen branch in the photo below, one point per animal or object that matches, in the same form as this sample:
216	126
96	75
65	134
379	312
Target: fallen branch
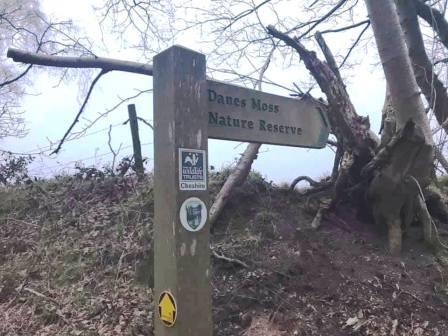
106	64
229	260
36	293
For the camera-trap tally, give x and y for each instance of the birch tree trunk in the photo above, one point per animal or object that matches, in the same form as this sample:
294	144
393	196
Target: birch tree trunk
410	151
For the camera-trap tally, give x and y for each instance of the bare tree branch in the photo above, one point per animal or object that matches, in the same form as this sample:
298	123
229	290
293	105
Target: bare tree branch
434	18
145	122
114	153
61	142
246	13
323	18
354	44
10	81
355	25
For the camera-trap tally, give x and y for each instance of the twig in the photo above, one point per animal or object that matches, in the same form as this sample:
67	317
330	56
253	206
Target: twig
120	261
229	260
114	153
245	13
17	77
32	291
354	44
337	30
145	122
323	18
61	142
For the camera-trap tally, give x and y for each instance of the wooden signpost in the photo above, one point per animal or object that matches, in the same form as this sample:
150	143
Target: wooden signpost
188	109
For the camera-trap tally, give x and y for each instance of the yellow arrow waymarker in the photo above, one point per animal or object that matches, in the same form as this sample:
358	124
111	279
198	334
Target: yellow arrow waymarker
167	309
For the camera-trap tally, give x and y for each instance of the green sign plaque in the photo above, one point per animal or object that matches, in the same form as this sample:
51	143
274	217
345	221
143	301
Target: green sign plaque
238	113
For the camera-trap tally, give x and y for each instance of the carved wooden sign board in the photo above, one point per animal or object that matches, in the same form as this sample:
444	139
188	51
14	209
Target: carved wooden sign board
238	113
189	109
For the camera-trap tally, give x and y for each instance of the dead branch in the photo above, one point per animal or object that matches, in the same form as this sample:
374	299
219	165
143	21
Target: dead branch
61	142
42	296
328	54
345	123
229	260
84	62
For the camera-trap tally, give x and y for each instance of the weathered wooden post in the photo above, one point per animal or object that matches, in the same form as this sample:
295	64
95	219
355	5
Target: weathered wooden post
181	237
133	123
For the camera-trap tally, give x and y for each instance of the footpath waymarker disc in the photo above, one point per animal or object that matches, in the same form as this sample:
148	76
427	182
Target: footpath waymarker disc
167	309
193	214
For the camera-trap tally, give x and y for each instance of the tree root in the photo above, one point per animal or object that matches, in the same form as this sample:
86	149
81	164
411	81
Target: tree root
430	231
302	178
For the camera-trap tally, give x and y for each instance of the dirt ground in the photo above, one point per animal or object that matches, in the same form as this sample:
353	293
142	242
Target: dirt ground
74	261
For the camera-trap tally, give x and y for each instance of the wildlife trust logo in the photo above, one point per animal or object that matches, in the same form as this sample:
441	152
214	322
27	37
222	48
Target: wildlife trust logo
192	169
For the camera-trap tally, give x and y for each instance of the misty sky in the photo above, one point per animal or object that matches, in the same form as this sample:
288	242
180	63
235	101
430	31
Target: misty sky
52	108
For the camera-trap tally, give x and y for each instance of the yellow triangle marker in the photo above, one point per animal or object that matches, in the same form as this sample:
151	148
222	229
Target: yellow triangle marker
167	309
